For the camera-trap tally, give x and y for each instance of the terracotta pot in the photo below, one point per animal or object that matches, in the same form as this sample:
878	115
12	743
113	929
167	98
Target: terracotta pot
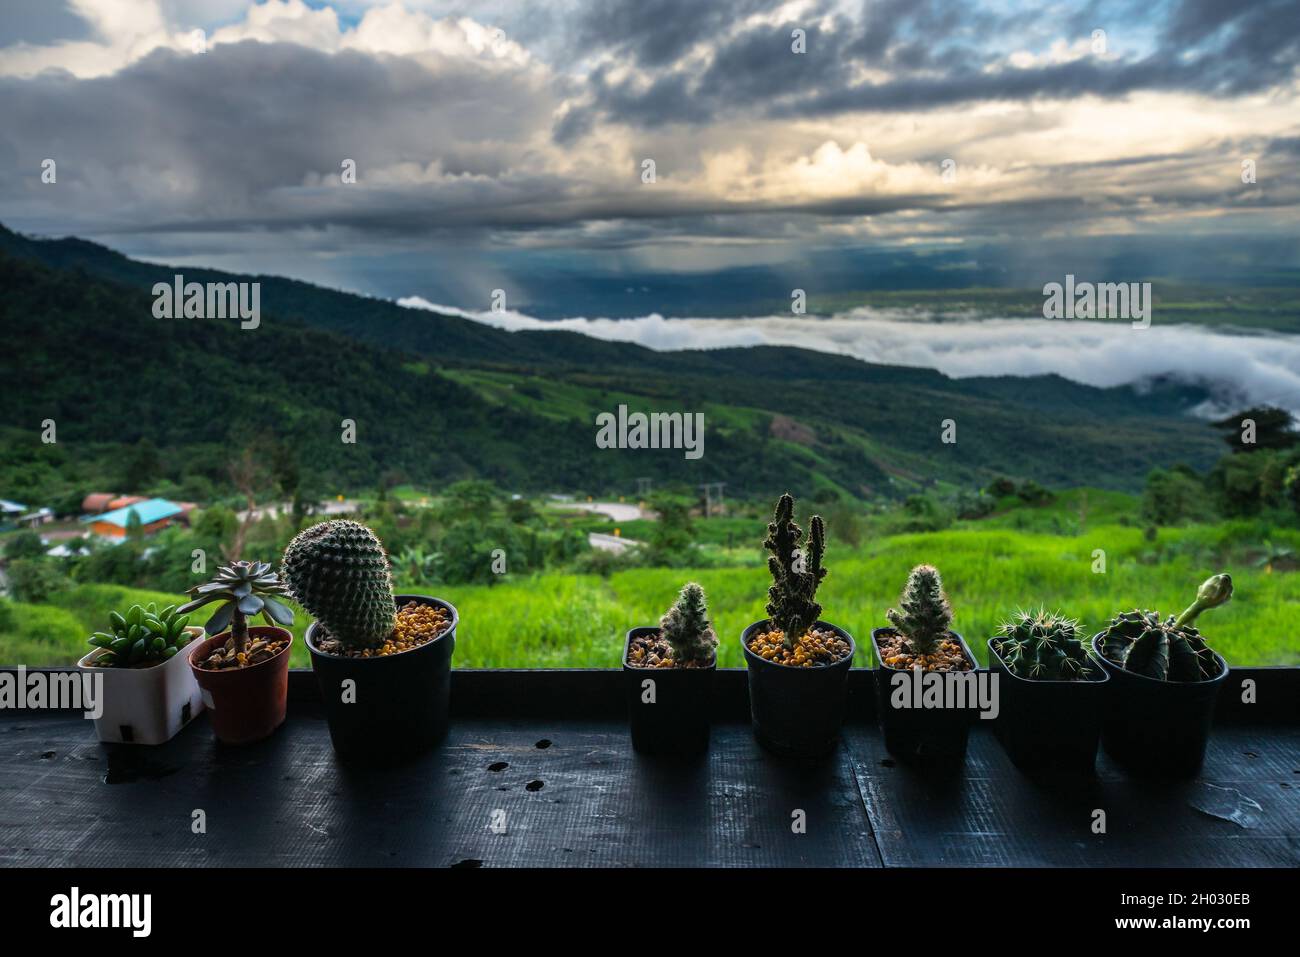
245	704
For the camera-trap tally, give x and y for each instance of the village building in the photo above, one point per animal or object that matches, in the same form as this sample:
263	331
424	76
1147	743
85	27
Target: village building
155	514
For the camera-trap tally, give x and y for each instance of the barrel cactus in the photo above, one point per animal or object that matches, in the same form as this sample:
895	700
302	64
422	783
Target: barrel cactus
686	626
1042	646
926	614
339	572
1170	650
796	572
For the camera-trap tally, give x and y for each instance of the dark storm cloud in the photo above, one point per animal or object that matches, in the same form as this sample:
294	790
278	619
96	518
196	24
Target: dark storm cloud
22	21
211	137
654	33
934	56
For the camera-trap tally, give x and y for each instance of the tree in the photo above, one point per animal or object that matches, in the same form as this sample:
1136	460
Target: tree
672	542
143	467
1273	430
1173	496
25	544
33	580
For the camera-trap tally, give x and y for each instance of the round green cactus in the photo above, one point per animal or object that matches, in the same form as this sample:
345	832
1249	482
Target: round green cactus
1042	646
339	572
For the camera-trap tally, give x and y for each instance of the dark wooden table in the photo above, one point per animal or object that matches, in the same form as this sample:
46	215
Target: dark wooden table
539	770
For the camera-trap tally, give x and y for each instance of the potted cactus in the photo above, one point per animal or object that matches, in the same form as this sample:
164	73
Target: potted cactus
148	693
1052	693
1164	682
383	662
243	671
798	664
920	641
669	677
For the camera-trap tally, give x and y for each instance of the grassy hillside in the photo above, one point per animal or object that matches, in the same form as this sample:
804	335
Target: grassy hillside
436	398
991	569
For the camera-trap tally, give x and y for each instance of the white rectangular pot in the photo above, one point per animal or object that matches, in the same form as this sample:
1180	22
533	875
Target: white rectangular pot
147	705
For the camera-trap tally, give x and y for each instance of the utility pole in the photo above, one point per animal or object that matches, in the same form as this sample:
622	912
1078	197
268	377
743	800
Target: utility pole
710	488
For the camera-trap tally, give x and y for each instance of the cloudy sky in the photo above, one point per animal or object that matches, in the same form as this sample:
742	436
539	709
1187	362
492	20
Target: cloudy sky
492	138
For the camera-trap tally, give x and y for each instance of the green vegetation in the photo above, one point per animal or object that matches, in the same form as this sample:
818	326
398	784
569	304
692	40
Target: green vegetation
446	399
141	638
564	620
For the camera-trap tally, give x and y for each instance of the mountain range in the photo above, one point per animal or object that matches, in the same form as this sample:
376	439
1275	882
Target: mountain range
435	398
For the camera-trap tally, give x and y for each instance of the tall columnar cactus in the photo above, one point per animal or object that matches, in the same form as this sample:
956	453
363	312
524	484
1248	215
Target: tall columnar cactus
339	572
1172	650
926	613
1043	646
686	626
795	573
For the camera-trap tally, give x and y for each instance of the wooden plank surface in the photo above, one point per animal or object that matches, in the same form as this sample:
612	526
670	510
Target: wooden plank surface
571	791
994	815
584	799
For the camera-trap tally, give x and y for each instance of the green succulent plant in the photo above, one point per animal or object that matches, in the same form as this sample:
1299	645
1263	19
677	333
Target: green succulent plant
796	572
1042	646
1170	650
339	572
141	638
926	614
248	589
686	626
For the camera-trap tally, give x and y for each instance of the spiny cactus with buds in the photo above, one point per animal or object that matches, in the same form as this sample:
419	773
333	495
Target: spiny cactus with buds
339	572
926	614
1042	646
686	626
796	573
1172	650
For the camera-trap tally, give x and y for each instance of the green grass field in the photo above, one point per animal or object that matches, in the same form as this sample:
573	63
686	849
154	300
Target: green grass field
991	568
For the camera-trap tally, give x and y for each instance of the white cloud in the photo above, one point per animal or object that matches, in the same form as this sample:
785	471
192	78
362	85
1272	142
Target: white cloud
1238	367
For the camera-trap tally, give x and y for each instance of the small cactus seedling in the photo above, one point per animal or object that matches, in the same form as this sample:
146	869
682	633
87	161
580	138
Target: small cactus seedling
1042	646
141	638
686	626
1172	650
339	572
248	589
926	614
796	572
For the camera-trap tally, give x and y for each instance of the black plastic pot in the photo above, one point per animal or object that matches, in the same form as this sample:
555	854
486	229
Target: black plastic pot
1158	728
401	701
1049	725
672	716
797	712
927	736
